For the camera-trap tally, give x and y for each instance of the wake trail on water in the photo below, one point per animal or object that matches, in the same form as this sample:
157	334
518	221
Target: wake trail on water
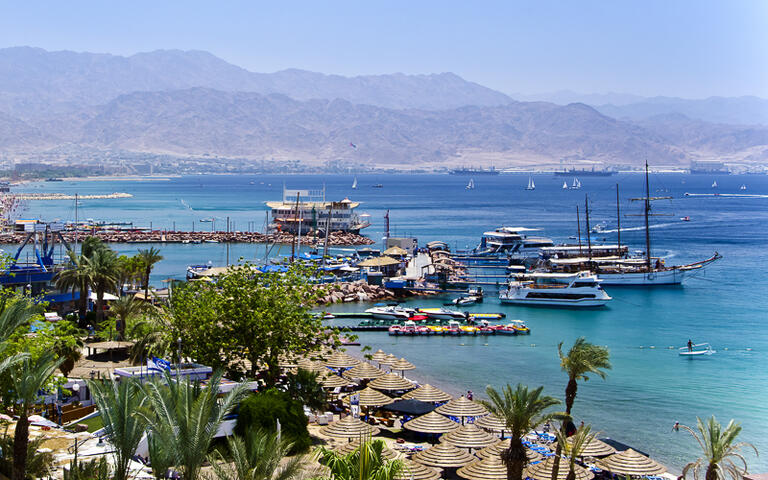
732	195
637	229
187	206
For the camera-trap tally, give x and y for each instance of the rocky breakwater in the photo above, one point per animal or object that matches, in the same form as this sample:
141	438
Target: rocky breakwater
165	236
359	291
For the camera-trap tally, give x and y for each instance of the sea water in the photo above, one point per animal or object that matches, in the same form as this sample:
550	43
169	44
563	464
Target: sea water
650	386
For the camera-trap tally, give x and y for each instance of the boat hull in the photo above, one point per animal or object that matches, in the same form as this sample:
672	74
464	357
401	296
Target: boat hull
549	302
665	277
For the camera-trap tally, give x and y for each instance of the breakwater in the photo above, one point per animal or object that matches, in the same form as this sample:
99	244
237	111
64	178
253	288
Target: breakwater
359	291
65	196
165	236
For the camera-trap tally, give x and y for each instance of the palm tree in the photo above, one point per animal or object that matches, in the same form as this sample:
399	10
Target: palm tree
574	448
583	358
719	454
366	461
522	411
192	413
28	377
258	456
126	308
150	336
149	257
76	278
102	270
118	404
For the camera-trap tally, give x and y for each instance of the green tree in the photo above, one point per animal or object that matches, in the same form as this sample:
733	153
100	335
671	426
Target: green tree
192	413
246	320
720	453
365	462
148	257
305	386
129	270
65	339
76	278
102	271
118	404
582	360
125	309
258	455
522	410
263	410
151	334
574	445
28	377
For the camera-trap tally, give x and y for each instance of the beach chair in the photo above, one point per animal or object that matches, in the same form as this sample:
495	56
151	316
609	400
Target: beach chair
322	420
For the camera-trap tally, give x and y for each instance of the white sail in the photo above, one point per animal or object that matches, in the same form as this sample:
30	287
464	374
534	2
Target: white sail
531	185
714	184
743	187
354	184
471	184
565	185
576	184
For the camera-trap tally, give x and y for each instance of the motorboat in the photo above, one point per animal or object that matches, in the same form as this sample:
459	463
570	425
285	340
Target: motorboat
685	219
466	300
696	350
442	313
581	289
391	312
519	327
511	242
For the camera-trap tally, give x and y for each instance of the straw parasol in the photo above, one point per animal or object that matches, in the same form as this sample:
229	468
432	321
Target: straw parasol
461	407
341	360
350	447
543	470
370	398
497	448
364	370
428	393
491	422
402	365
388	360
395	251
491	468
378	356
630	462
443	455
382	261
416	471
469	436
390	382
349	427
595	448
334	381
431	423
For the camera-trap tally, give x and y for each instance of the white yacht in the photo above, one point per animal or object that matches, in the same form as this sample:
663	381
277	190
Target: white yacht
580	289
442	313
391	312
513	242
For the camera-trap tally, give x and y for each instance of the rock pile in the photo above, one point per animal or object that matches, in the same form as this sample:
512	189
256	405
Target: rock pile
358	291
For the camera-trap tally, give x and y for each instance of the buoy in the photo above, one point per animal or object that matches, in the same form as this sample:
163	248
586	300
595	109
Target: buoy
651	346
749	349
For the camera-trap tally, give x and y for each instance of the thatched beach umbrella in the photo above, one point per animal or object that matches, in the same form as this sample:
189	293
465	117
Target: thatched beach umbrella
378	356
350	447
416	471
341	360
391	382
595	448
630	462
334	381
497	448
389	360
364	371
431	423
469	436
491	423
543	470
370	398
443	455
491	468
349	427
402	365
428	393
461	407
395	251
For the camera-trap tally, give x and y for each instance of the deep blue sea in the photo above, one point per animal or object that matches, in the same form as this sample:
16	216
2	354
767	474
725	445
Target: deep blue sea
650	386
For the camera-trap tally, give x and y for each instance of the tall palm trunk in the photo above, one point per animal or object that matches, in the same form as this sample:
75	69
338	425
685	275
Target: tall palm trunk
83	301
570	394
20	441
515	459
570	397
100	305
147	271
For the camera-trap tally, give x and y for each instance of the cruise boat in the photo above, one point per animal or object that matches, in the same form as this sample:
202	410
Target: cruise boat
580	289
390	312
511	241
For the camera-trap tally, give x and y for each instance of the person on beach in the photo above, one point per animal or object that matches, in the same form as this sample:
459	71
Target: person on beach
469	395
690	345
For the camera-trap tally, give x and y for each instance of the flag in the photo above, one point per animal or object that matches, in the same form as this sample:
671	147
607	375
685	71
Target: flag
155	364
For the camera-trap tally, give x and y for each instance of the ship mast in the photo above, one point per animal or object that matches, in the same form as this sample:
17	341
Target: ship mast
76	224
578	227
589	236
618	220
647	212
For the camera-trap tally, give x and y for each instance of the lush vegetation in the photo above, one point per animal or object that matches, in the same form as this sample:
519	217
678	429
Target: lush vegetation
264	410
366	461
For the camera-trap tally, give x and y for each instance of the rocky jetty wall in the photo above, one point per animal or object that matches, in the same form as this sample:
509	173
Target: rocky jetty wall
359	291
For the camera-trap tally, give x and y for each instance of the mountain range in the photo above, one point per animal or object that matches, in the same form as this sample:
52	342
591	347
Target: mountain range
193	103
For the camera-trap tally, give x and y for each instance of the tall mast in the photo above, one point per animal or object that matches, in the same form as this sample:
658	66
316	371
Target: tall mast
578	227
618	218
647	228
327	232
76	224
293	241
300	213
589	237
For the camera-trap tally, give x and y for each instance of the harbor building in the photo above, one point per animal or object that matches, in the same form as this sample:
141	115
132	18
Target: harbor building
306	211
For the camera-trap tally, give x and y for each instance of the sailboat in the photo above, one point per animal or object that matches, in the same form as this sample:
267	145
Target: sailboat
714	184
354	184
565	185
471	184
576	184
531	185
743	187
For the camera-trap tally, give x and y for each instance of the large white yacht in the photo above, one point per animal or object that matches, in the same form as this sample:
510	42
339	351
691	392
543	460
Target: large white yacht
581	289
512	242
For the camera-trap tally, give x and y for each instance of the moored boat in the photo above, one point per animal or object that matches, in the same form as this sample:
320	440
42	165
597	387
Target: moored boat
390	312
442	313
578	290
696	350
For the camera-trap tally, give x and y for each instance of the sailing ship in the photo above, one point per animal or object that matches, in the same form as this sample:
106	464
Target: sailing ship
531	185
565	185
576	184
471	184
743	187
354	184
714	184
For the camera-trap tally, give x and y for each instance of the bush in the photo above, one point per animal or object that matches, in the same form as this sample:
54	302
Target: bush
262	410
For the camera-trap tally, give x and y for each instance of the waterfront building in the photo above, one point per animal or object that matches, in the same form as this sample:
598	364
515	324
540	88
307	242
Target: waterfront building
305	211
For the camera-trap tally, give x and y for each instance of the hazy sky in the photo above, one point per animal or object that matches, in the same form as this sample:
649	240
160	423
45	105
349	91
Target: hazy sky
692	48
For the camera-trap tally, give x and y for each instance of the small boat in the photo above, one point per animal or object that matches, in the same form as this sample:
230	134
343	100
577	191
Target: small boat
696	350
206	220
470	185
714	184
388	312
565	185
743	187
685	219
519	327
468	300
531	185
441	313
576	184
354	184
378	185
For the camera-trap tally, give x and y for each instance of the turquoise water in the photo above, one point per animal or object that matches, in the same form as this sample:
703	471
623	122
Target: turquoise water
647	390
